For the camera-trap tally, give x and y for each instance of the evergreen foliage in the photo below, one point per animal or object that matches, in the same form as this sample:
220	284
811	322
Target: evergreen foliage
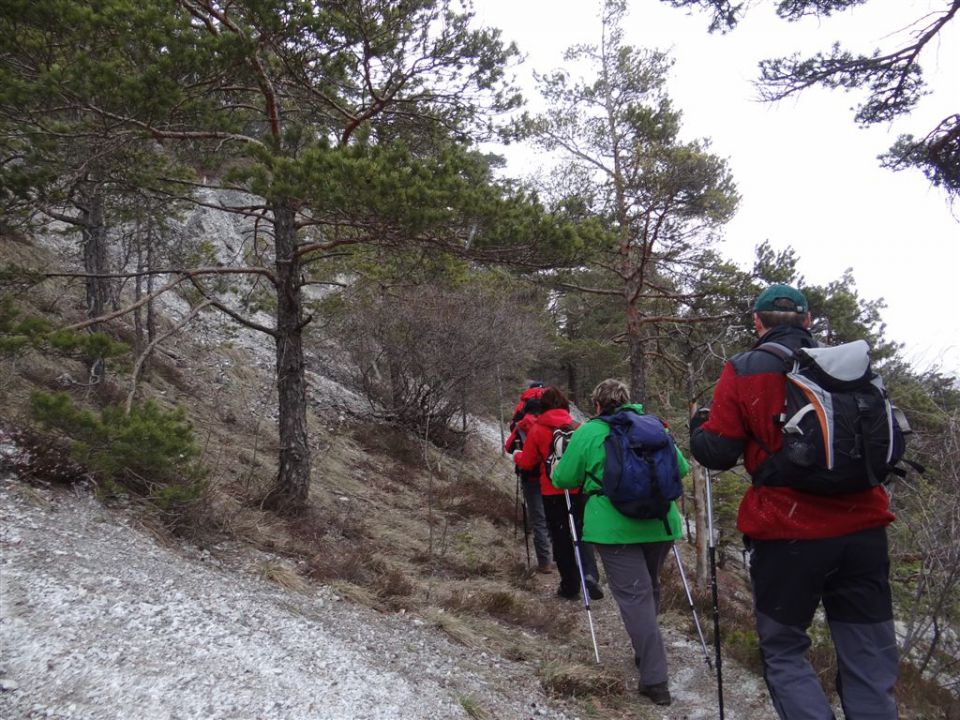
19	334
660	198
893	79
151	451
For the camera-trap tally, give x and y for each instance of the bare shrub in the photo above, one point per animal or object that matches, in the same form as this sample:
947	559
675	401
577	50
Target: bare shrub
426	352
927	557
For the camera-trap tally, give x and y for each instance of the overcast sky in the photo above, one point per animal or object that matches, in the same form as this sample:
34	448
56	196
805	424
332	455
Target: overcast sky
808	176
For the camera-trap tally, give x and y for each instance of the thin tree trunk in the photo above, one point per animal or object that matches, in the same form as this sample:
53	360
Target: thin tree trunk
138	282
638	360
93	235
151	314
293	479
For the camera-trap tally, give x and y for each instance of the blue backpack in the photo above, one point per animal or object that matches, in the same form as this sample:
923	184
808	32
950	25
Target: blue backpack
641	475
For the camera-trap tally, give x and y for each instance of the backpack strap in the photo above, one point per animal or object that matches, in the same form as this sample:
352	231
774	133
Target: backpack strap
788	357
777	350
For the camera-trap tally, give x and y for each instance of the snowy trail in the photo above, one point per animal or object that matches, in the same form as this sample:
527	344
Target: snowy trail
98	621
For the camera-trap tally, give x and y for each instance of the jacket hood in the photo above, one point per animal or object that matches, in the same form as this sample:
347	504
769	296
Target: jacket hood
556	418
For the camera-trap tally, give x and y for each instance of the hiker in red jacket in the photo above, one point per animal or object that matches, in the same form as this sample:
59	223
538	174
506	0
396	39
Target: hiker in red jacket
805	549
556	414
524	416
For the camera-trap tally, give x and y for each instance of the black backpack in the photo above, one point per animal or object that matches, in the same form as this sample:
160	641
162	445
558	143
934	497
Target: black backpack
641	473
841	433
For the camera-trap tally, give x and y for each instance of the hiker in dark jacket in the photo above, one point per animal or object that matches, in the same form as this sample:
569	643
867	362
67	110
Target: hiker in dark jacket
524	417
805	549
556	414
633	551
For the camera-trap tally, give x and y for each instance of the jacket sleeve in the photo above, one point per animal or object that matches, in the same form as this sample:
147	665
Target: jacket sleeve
719	442
508	445
682	464
531	456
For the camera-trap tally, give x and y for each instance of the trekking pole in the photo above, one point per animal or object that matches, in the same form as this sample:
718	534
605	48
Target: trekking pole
516	507
713	588
696	620
583	580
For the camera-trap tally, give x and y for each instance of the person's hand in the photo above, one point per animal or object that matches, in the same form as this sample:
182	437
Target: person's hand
699	418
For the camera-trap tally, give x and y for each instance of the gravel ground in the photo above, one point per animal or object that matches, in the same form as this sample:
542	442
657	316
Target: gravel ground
99	621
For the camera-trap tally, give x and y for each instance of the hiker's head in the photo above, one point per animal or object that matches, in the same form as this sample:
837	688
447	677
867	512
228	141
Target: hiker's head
535	384
780	305
552	399
609	395
533	406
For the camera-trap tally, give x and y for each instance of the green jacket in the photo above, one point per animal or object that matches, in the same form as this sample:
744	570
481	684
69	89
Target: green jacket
582	466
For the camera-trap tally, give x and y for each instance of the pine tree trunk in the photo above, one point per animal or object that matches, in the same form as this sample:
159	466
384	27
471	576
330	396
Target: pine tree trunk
638	360
93	234
293	479
93	237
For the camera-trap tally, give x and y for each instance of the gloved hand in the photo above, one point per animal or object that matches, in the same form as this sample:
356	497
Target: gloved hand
699	418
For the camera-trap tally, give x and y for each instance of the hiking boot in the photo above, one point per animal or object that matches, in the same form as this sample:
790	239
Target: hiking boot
659	693
567	594
545	568
593	589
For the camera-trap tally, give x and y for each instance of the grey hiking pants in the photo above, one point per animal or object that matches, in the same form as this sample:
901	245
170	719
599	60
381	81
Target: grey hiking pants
633	574
536	520
849	575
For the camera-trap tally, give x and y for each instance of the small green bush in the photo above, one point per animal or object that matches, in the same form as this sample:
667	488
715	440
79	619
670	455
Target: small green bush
150	446
150	451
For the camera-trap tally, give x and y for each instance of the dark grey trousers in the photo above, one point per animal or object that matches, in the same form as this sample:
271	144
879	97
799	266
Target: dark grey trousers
633	574
537	520
849	576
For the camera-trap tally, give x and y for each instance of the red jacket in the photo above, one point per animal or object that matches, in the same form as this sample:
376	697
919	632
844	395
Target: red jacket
537	446
748	396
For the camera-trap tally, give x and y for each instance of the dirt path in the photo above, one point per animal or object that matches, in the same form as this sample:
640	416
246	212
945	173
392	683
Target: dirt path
98	621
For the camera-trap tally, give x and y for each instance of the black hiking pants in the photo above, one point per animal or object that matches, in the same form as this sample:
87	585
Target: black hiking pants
558	524
849	575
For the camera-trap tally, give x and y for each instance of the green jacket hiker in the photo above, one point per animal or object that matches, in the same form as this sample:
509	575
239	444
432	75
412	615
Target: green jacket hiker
582	466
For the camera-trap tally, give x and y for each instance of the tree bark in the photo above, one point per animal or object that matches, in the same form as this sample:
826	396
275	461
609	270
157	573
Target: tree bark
293	479
638	360
93	234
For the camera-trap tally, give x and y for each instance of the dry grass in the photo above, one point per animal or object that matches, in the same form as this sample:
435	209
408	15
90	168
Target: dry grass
283	575
576	680
521	609
457	627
